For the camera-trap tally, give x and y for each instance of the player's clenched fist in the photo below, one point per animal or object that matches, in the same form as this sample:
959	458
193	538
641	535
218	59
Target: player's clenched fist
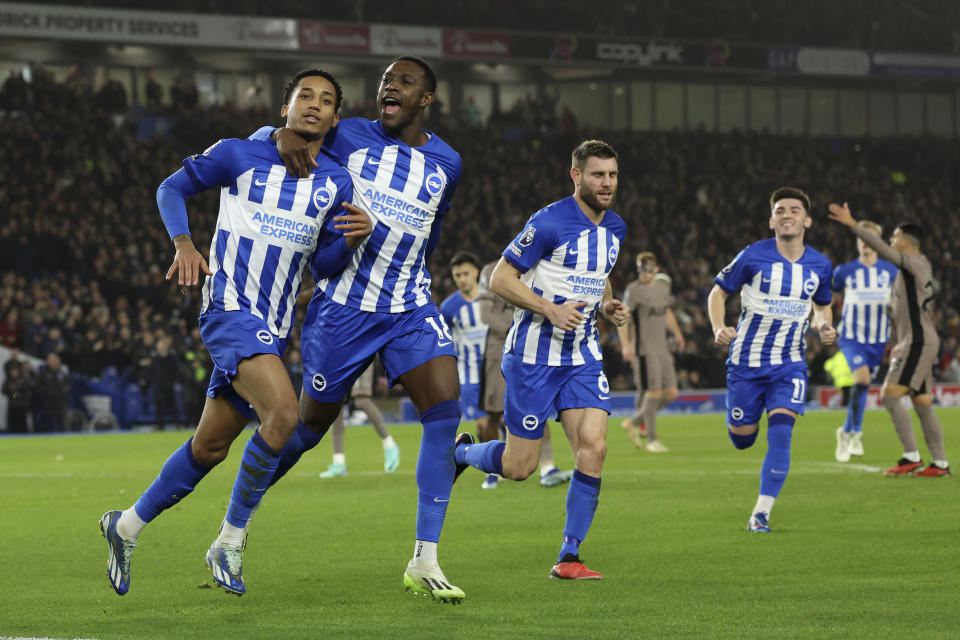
724	335
828	334
616	312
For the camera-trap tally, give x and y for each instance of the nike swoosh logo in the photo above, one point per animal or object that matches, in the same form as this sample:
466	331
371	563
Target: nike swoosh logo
260	183
574	252
604	397
442	344
373	162
439	500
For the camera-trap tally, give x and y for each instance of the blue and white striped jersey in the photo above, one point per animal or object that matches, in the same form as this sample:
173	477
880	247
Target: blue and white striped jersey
406	190
469	334
268	227
776	298
866	293
564	257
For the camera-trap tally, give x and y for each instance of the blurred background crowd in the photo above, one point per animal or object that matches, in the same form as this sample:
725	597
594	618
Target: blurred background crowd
83	253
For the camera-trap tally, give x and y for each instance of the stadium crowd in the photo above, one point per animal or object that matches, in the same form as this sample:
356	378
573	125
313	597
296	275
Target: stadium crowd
930	25
83	252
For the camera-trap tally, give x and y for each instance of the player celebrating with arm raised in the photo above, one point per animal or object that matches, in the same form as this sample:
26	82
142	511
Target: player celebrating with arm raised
555	272
268	229
779	279
404	177
911	369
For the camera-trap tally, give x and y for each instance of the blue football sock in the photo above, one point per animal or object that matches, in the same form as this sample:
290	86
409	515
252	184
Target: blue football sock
177	478
486	456
583	496
257	467
302	440
776	464
858	402
435	467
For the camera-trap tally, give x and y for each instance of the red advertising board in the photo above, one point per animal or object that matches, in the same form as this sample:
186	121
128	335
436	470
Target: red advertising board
461	43
338	37
945	395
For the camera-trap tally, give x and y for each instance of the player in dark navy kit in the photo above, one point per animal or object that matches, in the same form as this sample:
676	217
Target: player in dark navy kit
404	177
779	280
269	228
555	272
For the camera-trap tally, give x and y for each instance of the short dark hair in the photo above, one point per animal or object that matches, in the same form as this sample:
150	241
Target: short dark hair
306	73
427	70
463	257
790	192
913	231
590	149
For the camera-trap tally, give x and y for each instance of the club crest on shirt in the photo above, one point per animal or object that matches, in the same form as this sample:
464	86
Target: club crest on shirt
436	182
265	337
324	196
883	279
809	286
612	254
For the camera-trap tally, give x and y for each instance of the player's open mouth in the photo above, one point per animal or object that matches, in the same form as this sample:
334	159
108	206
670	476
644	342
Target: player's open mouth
312	119
391	105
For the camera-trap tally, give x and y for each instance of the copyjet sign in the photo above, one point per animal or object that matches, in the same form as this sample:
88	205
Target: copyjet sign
640	54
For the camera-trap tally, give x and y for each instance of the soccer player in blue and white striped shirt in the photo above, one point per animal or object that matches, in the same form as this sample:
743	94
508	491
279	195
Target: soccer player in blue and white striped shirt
404	177
461	311
863	332
555	272
269	228
779	280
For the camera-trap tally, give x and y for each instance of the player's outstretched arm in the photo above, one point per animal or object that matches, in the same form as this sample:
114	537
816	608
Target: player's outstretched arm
172	201
717	310
295	152
843	215
505	282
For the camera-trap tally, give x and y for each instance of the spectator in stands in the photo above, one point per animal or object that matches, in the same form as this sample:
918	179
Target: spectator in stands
18	387
154	93
11	330
164	372
52	392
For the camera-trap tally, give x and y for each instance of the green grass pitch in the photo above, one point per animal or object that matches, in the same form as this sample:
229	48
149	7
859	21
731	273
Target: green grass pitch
852	554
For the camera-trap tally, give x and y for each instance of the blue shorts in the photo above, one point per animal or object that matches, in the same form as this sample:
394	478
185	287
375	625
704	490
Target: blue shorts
470	401
538	392
232	336
338	343
859	355
749	395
